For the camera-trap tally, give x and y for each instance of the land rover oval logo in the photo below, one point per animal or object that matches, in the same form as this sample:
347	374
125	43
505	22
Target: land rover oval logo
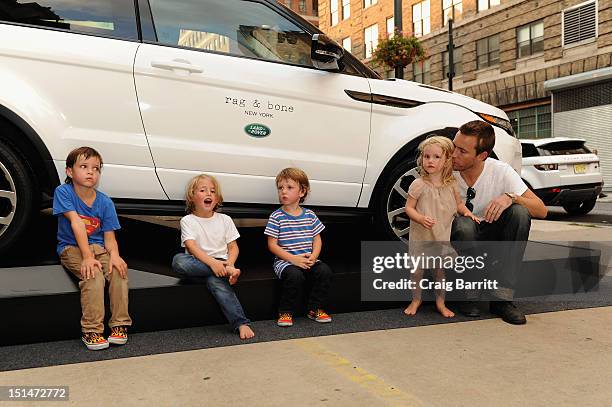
257	130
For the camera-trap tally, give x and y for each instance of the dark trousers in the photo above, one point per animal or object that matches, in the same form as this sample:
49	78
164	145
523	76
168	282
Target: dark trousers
293	279
505	262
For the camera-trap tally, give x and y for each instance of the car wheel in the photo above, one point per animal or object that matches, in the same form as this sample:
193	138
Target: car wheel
389	216
580	208
16	196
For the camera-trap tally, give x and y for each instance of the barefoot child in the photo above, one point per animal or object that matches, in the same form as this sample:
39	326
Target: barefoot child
211	250
433	201
88	249
294	239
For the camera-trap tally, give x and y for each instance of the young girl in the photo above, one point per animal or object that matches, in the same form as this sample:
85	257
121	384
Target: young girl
211	250
433	200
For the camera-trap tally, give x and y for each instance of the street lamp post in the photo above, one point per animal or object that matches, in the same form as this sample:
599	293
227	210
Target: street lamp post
397	20
450	49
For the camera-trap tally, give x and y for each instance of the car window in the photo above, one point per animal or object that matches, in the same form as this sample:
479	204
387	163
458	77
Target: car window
565	148
113	18
529	150
235	27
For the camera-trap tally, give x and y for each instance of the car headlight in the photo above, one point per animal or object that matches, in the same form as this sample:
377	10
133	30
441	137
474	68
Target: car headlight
499	122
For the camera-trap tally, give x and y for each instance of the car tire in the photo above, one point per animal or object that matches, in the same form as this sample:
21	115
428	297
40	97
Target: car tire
17	195
580	208
390	220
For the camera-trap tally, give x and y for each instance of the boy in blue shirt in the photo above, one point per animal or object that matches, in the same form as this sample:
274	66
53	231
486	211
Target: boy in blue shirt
87	248
294	239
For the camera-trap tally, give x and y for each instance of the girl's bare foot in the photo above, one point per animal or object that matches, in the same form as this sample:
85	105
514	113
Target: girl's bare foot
445	312
413	307
245	332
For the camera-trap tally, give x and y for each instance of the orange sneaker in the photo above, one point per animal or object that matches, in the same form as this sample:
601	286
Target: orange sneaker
319	316
94	341
284	319
118	335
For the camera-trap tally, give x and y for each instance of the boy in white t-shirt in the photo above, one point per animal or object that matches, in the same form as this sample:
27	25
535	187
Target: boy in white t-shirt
211	250
496	194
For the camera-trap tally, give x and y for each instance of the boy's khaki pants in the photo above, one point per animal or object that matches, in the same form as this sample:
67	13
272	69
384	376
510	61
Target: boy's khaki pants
92	290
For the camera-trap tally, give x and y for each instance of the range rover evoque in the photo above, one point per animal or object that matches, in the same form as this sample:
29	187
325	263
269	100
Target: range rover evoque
165	89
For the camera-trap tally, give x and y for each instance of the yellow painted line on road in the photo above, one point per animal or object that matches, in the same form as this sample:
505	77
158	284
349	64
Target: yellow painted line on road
372	383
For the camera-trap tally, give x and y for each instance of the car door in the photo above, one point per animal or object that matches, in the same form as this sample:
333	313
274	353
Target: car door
229	89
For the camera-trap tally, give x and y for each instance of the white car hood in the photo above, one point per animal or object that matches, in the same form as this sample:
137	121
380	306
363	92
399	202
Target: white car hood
425	93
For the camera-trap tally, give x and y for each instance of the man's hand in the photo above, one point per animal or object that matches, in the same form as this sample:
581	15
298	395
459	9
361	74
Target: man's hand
218	268
427	222
116	262
496	207
301	260
88	268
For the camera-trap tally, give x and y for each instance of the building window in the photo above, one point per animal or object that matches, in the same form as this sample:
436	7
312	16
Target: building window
346	44
457	62
368	3
420	72
371	39
420	18
390	27
579	23
333	7
530	39
346	9
451	9
487	4
487	51
315	7
302	6
533	122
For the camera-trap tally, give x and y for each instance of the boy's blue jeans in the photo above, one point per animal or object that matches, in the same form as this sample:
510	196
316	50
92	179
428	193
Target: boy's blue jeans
187	266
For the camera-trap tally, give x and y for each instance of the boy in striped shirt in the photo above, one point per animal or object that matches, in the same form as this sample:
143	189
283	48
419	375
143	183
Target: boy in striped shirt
294	239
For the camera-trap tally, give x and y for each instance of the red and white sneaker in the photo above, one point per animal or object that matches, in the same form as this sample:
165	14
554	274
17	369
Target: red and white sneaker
319	316
284	319
118	335
94	341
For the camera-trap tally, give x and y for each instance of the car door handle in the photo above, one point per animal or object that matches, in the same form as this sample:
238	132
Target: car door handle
177	64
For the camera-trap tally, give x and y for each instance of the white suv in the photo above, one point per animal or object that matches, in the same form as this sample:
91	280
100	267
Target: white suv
236	88
562	171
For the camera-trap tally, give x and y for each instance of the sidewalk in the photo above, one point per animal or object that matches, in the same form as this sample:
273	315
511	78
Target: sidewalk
559	358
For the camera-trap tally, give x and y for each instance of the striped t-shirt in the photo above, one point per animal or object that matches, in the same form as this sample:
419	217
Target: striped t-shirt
294	233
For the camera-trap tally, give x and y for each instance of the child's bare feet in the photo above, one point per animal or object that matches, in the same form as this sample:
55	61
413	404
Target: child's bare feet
445	312
234	274
413	307
245	332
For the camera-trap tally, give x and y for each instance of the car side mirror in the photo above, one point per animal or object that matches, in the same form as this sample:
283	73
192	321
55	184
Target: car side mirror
326	54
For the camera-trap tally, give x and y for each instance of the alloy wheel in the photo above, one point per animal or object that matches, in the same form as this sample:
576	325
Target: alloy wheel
8	198
396	202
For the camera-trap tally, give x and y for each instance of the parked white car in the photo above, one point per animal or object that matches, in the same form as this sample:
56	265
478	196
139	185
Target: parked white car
563	172
239	89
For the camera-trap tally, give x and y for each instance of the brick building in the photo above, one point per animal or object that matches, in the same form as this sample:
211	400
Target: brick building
505	51
308	9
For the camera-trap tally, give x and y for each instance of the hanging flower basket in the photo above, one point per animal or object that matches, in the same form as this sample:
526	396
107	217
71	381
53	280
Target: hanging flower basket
398	51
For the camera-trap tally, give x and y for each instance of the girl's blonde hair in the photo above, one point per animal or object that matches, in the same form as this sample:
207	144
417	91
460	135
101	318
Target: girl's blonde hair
447	147
191	187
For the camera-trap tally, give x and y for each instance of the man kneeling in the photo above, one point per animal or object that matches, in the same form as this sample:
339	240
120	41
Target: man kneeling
497	195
